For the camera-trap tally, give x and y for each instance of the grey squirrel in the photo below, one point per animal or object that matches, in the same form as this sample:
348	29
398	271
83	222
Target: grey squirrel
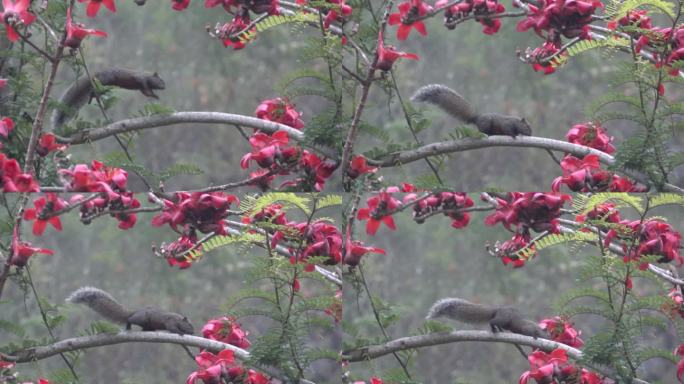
149	318
499	318
456	105
81	91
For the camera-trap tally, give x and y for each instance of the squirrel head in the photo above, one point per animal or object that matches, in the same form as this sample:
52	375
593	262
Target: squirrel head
185	327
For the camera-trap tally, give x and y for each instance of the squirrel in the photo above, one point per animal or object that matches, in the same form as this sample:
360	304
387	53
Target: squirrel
149	318
456	105
81	91
499	318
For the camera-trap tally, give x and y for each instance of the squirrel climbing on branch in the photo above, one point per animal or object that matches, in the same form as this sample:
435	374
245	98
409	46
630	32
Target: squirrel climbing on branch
456	105
499	318
81	91
149	318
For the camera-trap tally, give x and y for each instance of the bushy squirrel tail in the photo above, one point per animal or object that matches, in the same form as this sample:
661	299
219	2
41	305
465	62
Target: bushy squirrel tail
100	302
461	310
448	100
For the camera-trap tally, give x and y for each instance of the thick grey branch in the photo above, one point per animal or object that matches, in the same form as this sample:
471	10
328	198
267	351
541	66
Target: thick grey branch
421	341
85	342
195	117
450	146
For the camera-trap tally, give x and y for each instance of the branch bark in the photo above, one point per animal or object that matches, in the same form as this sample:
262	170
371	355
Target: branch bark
85	342
450	146
195	117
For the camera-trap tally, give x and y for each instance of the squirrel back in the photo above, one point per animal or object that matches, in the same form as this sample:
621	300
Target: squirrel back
81	91
100	302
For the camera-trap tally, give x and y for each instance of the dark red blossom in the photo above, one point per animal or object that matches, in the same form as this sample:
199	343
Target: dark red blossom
378	208
95	178
606	212
356	250
42	213
22	250
214	368
48	143
94	6
508	251
12	179
539	57
179	5
76	32
387	56
451	203
529	210
6	126
586	175
359	166
199	211
175	252
554	18
654	237
562	331
280	111
226	330
338	12
591	135
15	13
482	9
231	33
405	18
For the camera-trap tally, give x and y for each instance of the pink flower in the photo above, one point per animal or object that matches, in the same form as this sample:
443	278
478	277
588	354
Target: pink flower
76	32
387	56
226	330
6	126
44	207
179	5
94	6
562	331
15	13
408	11
591	135
280	111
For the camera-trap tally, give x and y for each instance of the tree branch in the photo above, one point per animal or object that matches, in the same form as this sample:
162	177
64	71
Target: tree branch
195	117
450	146
77	343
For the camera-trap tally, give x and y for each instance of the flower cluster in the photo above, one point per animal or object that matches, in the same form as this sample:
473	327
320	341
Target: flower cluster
484	10
586	175
562	331
554	367
12	179
118	207
528	210
508	251
43	212
450	203
226	330
196	211
539	57
222	366
405	18
556	18
606	212
16	14
175	252
280	111
591	135
654	238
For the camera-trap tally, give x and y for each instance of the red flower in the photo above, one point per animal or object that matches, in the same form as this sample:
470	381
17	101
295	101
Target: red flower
408	11
387	56
179	5
280	111
196	211
94	6
21	250
538	57
591	135
254	377
376	213
14	14
529	210
226	330
213	367
338	13
569	18
6	126
562	331
227	32
76	32
96	178
508	250
543	366
356	250
12	179
359	166
48	143
44	207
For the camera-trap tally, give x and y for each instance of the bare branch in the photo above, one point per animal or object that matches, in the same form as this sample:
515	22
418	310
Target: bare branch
199	117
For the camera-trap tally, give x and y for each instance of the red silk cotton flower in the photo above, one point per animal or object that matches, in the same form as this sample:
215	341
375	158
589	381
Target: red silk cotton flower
378	207
76	32
14	14
94	6
388	55
408	11
280	111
